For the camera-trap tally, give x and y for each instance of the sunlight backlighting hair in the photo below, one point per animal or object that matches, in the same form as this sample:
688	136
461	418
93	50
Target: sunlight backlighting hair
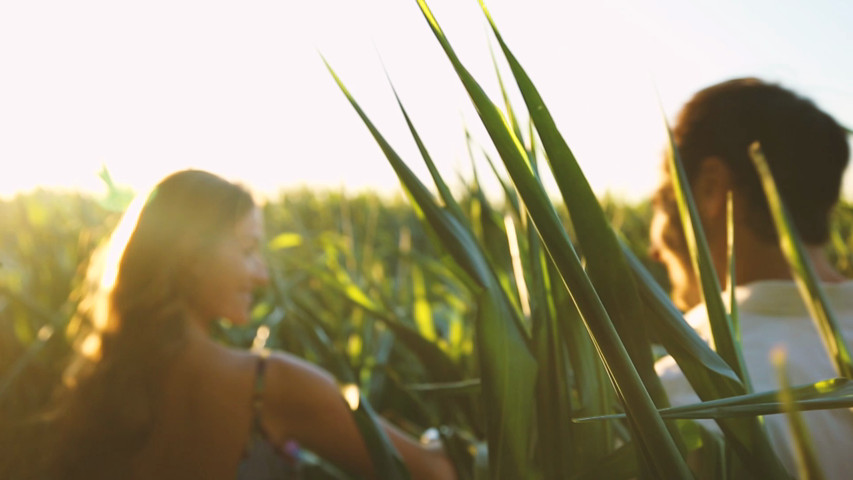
112	257
93	316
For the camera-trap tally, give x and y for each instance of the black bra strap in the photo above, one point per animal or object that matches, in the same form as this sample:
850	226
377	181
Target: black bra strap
258	392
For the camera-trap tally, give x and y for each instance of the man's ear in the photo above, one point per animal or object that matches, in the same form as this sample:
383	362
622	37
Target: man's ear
710	188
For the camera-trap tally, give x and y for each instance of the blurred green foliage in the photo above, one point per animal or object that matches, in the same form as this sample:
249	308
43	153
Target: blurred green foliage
348	271
353	278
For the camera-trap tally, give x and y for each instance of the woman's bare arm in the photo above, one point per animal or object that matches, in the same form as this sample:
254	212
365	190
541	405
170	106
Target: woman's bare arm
304	403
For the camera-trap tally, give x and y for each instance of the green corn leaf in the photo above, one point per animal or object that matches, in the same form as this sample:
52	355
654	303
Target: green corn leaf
554	399
621	464
118	197
508	369
757	454
464	387
709	375
387	462
439	365
493	239
510	195
436	361
443	189
316	335
378	372
50	323
285	240
508	458
341	282
422	312
647	424
595	392
606	266
808	466
732	276
721	327
510	113
831	393
665	456
679	339
801	267
475	267
462	451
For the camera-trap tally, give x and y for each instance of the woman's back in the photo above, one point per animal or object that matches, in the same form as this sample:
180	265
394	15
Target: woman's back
204	416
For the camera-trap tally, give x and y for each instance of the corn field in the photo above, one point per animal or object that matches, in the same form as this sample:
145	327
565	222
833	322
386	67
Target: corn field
499	323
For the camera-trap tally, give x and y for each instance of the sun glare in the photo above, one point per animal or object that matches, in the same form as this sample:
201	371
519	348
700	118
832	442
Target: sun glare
352	395
91	346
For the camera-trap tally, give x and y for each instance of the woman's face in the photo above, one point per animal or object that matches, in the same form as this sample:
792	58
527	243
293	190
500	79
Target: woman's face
669	248
226	277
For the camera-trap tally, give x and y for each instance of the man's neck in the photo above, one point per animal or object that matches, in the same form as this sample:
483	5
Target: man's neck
758	260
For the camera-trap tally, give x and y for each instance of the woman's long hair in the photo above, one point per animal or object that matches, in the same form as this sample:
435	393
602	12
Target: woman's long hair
133	321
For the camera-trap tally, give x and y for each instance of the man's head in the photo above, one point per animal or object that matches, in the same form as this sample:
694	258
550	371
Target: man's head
806	149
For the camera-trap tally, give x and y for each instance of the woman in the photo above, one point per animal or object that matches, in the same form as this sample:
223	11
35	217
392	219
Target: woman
158	398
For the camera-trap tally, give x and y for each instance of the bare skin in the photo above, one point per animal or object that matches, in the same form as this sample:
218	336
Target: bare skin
206	417
205	412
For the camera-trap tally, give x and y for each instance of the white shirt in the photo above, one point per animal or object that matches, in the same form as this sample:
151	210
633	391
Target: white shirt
772	314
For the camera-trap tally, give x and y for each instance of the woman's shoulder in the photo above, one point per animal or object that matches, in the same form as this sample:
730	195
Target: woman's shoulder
296	392
290	378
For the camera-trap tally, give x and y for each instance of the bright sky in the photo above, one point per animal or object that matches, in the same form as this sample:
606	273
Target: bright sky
238	87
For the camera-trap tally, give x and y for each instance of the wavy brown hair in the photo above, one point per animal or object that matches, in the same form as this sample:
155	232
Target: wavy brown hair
806	150
109	407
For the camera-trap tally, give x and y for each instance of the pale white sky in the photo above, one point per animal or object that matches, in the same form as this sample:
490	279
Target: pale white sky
238	87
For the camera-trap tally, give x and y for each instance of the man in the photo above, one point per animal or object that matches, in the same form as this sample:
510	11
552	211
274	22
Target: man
807	152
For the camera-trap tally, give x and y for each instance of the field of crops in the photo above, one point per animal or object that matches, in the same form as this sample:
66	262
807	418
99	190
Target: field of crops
496	321
361	286
348	271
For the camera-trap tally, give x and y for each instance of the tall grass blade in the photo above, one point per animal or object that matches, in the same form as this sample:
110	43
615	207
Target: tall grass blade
508	370
558	448
606	266
443	189
709	375
422	311
440	365
387	463
721	327
802	269
758	455
648	427
682	342
807	464
621	464
510	112
595	392
732	276
50	323
831	393
510	194
464	387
